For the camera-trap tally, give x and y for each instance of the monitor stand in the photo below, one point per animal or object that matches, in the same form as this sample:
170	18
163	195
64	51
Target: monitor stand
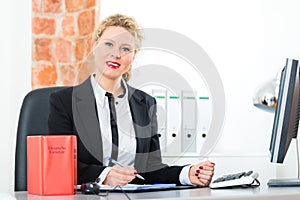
293	182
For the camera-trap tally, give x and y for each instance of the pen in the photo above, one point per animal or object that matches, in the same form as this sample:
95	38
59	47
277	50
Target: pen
117	163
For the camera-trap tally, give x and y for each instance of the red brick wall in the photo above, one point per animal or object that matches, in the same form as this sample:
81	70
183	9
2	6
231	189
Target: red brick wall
61	40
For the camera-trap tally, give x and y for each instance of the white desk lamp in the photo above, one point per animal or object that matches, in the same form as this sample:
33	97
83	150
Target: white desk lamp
266	96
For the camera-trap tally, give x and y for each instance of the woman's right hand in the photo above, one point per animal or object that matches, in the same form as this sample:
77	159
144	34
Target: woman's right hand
120	176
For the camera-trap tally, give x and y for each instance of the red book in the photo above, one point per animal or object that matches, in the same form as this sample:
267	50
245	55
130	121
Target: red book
51	164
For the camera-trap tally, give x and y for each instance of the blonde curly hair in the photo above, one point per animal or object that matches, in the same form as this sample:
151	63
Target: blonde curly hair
127	22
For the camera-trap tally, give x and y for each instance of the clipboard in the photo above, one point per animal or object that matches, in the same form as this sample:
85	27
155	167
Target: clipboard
134	188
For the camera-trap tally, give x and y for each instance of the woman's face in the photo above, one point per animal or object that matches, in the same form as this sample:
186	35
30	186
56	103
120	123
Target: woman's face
114	52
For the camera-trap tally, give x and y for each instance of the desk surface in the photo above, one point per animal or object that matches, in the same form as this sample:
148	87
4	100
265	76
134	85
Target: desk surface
199	193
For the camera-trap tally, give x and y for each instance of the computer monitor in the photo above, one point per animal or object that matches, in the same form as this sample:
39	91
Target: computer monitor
286	119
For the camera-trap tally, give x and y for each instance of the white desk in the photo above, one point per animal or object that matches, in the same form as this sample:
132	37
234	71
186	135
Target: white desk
259	193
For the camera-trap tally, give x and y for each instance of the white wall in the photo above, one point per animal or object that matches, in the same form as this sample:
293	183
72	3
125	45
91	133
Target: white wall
15	51
6	150
247	40
231	32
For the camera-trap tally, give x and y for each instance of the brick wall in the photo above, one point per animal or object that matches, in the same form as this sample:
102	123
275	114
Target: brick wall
61	40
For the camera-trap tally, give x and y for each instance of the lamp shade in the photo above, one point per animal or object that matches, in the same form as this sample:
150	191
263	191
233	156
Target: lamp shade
266	96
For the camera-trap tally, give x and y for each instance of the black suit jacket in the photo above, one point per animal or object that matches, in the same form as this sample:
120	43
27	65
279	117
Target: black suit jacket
73	111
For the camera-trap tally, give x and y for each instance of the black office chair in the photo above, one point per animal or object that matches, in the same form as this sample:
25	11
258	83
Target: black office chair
33	120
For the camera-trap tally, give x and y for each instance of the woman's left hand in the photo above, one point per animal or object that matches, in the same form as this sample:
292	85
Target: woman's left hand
202	173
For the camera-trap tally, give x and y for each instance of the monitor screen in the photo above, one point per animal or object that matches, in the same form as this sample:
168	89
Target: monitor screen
286	119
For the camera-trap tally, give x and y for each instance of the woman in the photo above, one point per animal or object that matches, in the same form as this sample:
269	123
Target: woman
91	109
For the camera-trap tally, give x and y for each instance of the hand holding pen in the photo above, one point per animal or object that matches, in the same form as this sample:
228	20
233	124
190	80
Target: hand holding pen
119	164
119	176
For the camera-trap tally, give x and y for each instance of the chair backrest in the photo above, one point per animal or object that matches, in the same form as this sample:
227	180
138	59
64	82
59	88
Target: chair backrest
33	120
